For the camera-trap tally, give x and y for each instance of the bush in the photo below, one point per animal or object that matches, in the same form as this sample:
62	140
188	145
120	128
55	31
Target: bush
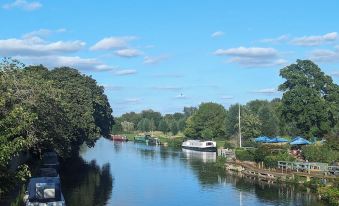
272	160
329	194
244	155
265	150
228	145
320	153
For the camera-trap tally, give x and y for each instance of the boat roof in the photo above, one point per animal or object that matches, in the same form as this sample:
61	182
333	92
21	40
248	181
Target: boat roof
44	189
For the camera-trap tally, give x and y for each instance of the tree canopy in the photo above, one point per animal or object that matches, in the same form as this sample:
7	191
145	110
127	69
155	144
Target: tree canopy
310	99
41	109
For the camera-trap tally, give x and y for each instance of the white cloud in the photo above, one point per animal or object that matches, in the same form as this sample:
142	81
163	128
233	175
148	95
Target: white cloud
267	91
110	87
324	55
226	97
315	40
112	43
217	34
154	59
335	74
86	64
168	75
23	4
169	88
128	53
181	96
35	46
131	101
282	38
125	72
42	33
248	52
252	56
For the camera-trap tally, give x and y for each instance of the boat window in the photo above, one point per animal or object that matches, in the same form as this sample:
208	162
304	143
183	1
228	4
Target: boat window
45	190
209	143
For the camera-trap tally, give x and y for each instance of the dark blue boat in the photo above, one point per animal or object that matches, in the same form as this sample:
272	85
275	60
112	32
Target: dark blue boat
44	191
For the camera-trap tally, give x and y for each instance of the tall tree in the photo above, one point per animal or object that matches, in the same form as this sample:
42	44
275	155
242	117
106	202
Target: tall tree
310	98
210	118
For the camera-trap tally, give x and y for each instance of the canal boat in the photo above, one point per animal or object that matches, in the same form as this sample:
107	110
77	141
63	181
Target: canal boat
200	145
153	141
119	138
50	160
147	139
44	191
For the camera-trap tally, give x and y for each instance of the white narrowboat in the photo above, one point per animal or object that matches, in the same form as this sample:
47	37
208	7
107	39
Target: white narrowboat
200	145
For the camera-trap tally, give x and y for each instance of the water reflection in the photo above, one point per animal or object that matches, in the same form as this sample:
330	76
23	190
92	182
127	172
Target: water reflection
201	156
86	183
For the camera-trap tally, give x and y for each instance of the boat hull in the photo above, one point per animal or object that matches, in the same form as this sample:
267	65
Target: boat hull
203	149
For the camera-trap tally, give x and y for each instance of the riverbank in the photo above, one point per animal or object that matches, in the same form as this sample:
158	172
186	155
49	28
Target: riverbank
325	186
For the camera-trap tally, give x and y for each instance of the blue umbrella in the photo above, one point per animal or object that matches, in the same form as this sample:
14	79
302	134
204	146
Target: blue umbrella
279	140
263	139
299	141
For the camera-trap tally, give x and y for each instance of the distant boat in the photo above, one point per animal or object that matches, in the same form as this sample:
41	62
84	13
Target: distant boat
119	138
200	145
147	139
142	139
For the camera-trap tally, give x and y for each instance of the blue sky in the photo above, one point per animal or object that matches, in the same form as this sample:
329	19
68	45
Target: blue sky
166	55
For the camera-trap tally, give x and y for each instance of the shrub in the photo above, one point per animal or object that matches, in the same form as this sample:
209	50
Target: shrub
312	154
329	194
272	160
244	155
228	145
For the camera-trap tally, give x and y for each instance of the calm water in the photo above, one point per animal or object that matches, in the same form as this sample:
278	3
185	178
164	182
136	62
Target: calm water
129	174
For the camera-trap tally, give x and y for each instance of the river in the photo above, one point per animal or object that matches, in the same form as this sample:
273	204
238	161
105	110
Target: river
131	174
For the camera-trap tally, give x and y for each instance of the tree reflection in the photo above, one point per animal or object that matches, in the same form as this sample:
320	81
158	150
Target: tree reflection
86	183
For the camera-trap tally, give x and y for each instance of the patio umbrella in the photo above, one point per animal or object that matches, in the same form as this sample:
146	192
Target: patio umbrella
299	141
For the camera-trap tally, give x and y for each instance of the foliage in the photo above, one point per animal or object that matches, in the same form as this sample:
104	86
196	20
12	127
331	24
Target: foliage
310	98
330	194
209	120
43	109
312	153
272	160
245	155
250	125
228	145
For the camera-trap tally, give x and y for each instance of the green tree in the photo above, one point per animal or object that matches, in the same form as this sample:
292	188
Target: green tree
163	126
209	116
250	125
310	98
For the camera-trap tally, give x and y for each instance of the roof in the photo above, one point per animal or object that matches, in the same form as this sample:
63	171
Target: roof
44	189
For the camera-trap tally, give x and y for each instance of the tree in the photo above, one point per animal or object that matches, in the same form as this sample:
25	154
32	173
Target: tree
310	99
174	127
150	114
163	126
127	126
250	125
144	125
209	116
43	109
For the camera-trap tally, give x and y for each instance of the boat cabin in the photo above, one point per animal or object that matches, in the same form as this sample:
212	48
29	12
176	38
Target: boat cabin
44	190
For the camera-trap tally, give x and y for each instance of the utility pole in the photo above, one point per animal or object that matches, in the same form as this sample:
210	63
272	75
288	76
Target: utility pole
239	128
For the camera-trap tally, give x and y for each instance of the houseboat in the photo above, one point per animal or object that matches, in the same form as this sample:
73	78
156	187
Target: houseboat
200	145
119	138
44	191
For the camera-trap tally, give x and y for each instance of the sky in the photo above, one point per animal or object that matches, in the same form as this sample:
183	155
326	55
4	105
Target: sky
165	55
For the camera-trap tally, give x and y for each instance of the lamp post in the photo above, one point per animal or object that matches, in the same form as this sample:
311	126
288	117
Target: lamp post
239	127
